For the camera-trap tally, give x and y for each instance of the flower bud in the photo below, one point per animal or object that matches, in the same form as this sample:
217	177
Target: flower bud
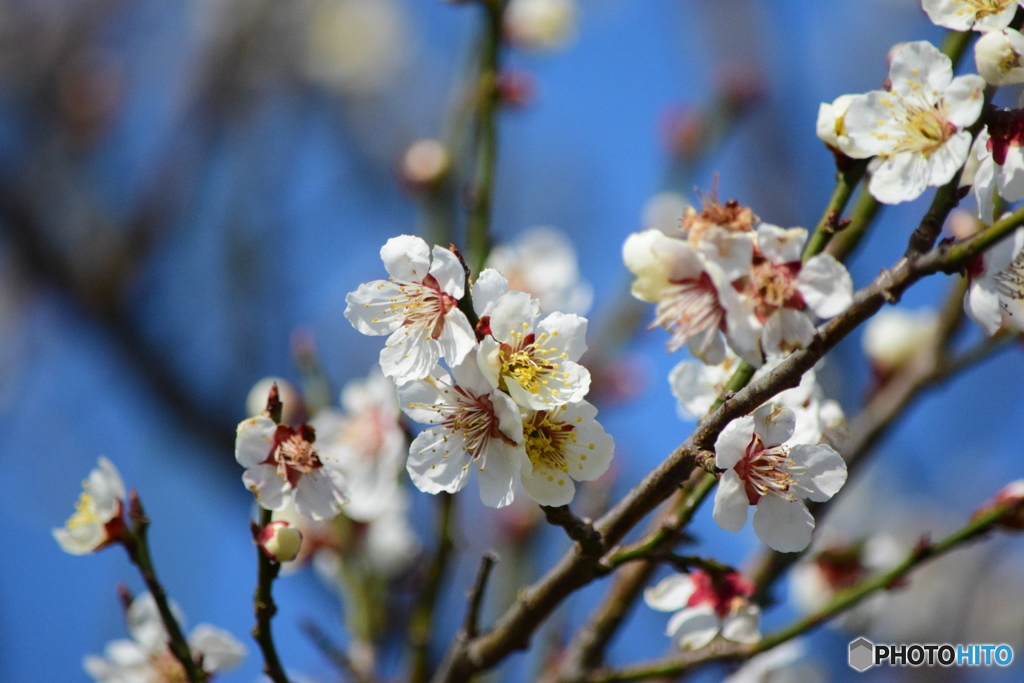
540	24
895	336
280	541
424	164
291	399
997	54
1010	497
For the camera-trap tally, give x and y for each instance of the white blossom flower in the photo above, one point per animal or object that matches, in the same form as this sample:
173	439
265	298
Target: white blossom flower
831	126
761	471
997	55
417	307
474	426
99	512
915	130
676	276
540	24
778	292
535	362
1000	161
282	467
366	442
894	336
563	444
146	658
706	605
966	15
542	262
995	296
697	386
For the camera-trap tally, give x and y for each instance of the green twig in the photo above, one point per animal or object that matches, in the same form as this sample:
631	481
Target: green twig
721	650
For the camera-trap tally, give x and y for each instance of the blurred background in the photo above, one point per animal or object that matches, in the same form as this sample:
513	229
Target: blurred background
188	190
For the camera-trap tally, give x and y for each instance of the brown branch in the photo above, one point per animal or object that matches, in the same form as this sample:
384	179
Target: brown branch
576	569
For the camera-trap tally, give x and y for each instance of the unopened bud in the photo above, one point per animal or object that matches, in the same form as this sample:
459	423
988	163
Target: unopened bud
894	336
540	24
280	541
288	395
997	54
424	164
1011	499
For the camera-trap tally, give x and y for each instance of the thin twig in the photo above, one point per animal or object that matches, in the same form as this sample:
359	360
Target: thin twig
471	624
579	530
721	650
136	543
421	621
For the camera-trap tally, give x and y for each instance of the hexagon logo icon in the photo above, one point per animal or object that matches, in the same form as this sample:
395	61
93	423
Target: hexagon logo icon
862	654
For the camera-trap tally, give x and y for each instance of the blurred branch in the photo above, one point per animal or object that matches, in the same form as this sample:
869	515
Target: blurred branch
421	622
722	650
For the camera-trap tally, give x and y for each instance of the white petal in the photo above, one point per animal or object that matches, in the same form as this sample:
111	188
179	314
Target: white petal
732	442
447	269
826	470
693	388
568	333
919	70
742	627
487	358
825	285
145	625
368	308
489	286
949	13
498	473
707	345
964	98
590	455
783	525
731	502
420	399
902	178
547	486
513	314
438	461
731	252
774	424
267	486
406	258
694	627
457	337
670	594
981	303
320	494
785	331
948	159
409	354
780	245
254	440
219	648
873	122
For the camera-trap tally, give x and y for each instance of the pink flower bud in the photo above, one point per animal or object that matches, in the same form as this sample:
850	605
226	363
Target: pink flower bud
280	541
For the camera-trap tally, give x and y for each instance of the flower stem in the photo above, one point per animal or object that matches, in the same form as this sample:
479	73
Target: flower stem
137	545
265	608
829	223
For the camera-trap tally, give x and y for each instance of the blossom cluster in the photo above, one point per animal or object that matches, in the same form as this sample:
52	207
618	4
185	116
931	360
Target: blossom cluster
728	279
735	289
510	402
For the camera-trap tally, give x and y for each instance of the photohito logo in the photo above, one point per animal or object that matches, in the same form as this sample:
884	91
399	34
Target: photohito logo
864	654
